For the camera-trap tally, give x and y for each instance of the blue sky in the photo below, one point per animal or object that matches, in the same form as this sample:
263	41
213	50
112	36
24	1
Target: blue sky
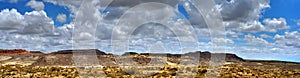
51	9
279	8
249	35
288	9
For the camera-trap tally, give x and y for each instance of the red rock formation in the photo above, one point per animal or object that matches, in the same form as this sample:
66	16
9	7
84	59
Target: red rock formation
15	52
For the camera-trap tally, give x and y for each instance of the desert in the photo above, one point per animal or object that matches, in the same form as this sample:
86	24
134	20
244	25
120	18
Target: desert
60	64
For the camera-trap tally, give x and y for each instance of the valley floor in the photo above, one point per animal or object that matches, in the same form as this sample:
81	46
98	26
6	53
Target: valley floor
229	70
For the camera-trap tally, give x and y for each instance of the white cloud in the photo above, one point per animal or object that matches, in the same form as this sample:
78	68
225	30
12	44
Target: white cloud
254	26
243	15
289	39
255	40
243	10
73	5
278	37
37	5
265	36
233	34
61	18
222	41
65	31
11	20
273	25
298	22
37	22
196	18
38	42
32	31
239	16
245	21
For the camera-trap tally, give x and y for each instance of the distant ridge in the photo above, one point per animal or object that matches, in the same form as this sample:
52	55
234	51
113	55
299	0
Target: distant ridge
82	51
17	52
203	55
273	61
14	51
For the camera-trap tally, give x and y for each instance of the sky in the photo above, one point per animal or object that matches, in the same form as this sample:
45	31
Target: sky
254	29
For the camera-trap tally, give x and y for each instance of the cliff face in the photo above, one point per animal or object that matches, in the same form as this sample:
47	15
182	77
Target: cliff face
207	56
233	57
86	51
203	56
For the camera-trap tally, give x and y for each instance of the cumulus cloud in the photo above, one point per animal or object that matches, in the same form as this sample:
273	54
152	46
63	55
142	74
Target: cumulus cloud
73	5
254	26
38	42
230	11
117	8
243	15
239	16
222	41
255	40
233	34
196	18
37	22
298	22
61	18
243	10
37	5
290	39
11	20
278	37
265	36
273	25
33	31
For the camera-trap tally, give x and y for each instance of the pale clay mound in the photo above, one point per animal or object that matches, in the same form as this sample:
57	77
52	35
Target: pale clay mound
22	60
3	58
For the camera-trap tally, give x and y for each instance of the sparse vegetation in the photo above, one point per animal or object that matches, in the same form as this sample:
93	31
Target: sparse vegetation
228	71
242	70
13	71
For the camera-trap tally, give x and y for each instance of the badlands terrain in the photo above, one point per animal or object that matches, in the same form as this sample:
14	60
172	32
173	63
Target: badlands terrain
61	64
